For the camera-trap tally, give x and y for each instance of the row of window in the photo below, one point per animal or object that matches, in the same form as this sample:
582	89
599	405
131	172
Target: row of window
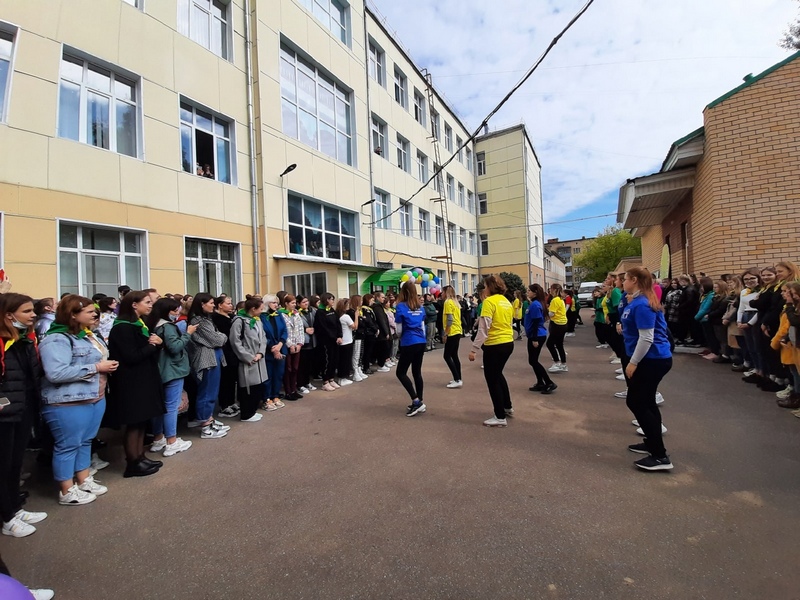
377	71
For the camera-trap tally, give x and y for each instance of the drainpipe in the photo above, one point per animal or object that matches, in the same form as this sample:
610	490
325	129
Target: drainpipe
374	253
248	38
527	214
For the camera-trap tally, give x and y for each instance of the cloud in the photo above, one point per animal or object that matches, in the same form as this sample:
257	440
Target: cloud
625	82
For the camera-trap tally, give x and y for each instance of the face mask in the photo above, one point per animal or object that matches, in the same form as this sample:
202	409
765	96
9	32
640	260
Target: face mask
173	318
16	324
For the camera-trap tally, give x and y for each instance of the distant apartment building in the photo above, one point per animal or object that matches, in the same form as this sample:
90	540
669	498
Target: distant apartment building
236	146
510	204
724	196
567	250
554	269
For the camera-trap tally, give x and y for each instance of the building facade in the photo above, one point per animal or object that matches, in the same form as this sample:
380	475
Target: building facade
554	269
510	204
225	146
567	249
722	199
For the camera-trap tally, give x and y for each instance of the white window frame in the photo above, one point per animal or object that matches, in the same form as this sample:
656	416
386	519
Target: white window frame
400	87
480	158
383	207
13	32
377	63
143	254
406	226
462	239
216	117
341	123
464	283
459	150
435	180
237	262
461	195
451	188
424	225
472	251
186	25
324	233
452	232
419	108
484	237
311	275
378	131
439	231
471	201
323	11
448	137
422	167
403	150
85	89
436	130
536	245
483	204
469	160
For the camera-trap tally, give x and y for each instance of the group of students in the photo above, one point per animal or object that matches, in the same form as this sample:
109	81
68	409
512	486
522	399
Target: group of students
749	321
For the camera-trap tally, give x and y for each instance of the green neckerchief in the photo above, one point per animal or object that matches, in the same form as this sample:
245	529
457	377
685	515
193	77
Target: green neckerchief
283	311
59	328
244	314
139	323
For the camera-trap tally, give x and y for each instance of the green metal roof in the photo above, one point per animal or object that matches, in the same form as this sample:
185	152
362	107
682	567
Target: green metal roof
753	79
388	278
699	132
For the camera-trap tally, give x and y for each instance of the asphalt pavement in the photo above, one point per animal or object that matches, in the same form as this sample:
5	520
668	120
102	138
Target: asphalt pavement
340	496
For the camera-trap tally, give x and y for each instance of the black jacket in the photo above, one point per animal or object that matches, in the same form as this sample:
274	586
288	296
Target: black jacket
327	326
689	302
769	305
20	381
719	305
382	320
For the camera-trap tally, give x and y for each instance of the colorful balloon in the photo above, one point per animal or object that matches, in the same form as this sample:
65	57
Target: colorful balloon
436	280
404	278
11	589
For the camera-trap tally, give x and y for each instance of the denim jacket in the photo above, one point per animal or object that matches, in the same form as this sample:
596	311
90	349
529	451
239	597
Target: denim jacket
70	368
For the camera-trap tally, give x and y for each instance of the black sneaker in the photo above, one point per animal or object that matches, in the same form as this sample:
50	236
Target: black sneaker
639	448
738	368
651	463
549	388
415	409
538	387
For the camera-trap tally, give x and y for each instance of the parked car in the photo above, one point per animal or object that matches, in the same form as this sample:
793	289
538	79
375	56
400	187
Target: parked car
585	292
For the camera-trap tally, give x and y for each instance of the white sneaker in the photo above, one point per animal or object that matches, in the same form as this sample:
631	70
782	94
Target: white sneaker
18	528
635	423
357	378
220	426
748	373
209	433
254	419
179	446
384	369
659	398
616	361
455	384
495	422
509	412
640	431
310	387
621	377
556	367
75	497
98	463
31	518
569	335
621	394
304	390
158	445
783	394
42	594
344	381
563	368
618	371
602	346
91	486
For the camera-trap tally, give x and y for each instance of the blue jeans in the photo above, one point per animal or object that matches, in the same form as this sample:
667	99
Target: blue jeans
167	424
208	390
73	428
275	369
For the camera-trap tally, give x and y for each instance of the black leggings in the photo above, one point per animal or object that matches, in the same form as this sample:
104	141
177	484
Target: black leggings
345	360
641	401
572	318
494	361
411	356
555	343
615	340
451	355
600	332
542	378
331	359
14	439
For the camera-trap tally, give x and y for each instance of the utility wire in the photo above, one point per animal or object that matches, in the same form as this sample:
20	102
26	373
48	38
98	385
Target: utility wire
494	111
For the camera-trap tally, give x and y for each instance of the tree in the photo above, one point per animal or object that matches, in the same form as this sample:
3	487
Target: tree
602	255
513	282
791	37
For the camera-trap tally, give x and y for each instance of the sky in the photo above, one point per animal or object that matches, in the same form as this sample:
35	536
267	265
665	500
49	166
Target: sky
627	80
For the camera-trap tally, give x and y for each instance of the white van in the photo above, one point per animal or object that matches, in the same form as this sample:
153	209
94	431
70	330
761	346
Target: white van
585	292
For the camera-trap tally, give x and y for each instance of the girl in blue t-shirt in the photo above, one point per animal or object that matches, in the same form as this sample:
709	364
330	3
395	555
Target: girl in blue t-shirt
537	335
409	322
649	358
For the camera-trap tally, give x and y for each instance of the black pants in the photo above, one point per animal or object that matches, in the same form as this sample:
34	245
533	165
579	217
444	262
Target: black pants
555	342
494	361
368	351
227	384
641	401
600	332
542	378
249	400
572	318
451	355
345	360
304	373
411	356
331	359
615	340
383	349
14	439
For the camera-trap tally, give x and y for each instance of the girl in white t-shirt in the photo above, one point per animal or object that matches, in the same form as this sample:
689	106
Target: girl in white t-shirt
346	347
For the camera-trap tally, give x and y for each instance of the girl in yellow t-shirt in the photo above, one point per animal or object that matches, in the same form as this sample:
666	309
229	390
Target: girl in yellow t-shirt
518	313
558	329
451	322
496	338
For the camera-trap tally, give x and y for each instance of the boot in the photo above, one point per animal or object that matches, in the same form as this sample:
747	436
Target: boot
793	401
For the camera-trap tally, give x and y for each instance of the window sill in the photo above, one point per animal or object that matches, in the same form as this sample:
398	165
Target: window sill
320	260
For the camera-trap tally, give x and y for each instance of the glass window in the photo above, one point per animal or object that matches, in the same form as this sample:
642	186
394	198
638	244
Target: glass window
424	225
469	160
331	13
379	137
419	108
334	237
459	154
403	160
461	195
400	88
439	228
451	188
405	219
382	210
483	204
448	137
422	167
94	260
471	202
435	130
306	284
471	249
315	109
211	267
484	244
207	23
205	144
462	239
451	233
6	51
97	107
377	64
481	159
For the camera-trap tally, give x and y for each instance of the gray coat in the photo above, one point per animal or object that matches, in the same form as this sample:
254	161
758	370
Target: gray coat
246	342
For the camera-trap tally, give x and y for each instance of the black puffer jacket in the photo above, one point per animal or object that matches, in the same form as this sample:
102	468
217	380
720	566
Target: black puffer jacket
20	381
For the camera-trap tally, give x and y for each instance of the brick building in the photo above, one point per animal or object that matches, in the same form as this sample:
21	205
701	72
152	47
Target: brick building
567	249
721	200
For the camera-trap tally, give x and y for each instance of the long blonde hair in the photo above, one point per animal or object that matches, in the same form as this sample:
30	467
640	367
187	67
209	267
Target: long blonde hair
644	281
